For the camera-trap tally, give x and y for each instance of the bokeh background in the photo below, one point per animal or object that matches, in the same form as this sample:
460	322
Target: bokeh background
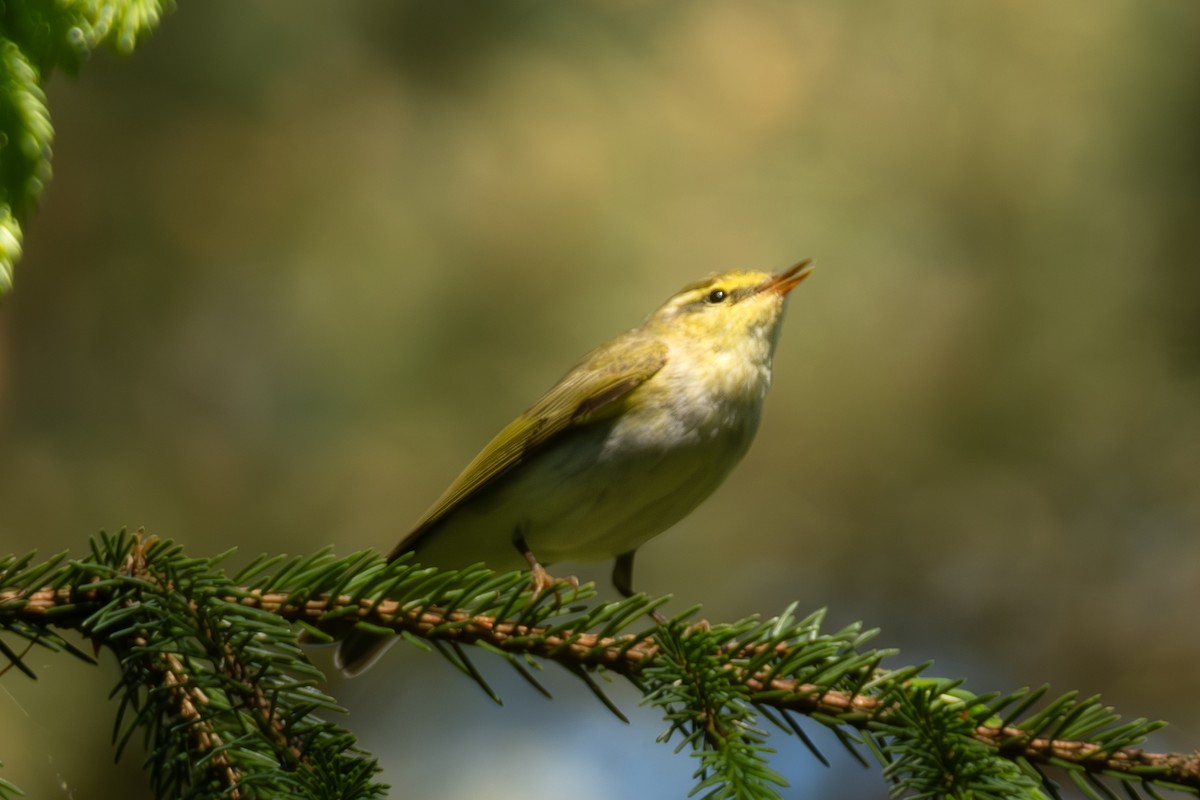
300	260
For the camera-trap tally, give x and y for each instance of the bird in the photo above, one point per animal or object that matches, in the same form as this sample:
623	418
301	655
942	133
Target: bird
635	436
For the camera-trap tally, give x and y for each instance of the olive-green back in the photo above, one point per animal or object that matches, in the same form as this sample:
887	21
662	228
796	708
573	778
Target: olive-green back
587	393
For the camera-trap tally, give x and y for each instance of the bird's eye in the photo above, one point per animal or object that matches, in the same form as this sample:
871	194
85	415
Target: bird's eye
716	296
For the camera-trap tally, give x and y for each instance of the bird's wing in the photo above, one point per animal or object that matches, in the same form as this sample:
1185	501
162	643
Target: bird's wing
586	394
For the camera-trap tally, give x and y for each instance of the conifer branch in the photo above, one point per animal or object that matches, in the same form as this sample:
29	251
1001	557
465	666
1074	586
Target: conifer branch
221	693
210	667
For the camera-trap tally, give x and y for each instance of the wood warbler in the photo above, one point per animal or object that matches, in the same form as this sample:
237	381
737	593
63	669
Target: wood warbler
632	439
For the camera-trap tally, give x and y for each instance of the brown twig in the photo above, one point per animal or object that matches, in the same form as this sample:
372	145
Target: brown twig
628	655
187	699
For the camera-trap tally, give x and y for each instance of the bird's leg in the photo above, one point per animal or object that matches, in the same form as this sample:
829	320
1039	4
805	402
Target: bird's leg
622	574
540	580
622	580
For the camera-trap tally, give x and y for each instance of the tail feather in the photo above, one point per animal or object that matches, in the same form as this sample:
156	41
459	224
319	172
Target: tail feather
359	650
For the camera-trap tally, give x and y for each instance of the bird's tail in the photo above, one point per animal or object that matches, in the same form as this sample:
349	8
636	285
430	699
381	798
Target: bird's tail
359	650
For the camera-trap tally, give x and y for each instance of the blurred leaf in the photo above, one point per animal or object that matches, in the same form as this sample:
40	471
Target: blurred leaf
10	247
39	35
25	136
25	132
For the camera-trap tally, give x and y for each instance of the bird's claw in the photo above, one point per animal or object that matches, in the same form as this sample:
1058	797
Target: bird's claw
540	580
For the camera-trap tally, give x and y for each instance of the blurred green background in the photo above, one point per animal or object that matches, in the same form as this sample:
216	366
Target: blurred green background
299	261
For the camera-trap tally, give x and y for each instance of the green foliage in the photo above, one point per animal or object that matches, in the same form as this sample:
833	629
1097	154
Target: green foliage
215	683
219	691
7	790
713	715
700	683
930	739
25	136
36	37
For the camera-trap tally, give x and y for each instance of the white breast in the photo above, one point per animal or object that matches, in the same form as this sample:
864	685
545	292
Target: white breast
606	488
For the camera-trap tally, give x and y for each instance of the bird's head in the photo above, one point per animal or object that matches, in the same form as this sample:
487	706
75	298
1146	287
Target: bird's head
727	308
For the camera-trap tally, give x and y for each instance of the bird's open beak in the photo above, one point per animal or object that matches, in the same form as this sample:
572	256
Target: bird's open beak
783	282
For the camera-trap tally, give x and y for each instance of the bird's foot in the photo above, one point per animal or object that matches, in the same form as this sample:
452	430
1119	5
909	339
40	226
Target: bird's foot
540	580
